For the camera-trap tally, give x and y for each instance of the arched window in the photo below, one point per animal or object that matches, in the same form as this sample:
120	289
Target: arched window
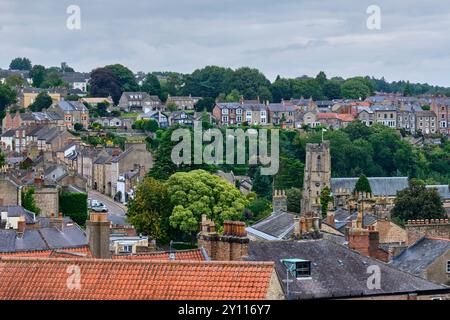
319	163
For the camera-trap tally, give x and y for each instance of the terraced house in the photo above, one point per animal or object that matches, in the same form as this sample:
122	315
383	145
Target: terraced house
139	101
441	107
73	112
239	112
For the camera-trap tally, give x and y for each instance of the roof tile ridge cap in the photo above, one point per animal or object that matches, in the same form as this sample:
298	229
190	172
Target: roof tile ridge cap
436	238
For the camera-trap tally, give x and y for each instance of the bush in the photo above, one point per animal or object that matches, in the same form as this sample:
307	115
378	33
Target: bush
74	205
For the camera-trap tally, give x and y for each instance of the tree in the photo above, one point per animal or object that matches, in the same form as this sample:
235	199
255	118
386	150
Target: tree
208	82
332	89
233	96
78	126
52	79
250	82
198	192
260	208
205	104
15	80
74	205
150	125
362	185
150	210
171	106
37	74
43	101
28	201
355	88
407	90
262	185
7	97
2	159
20	64
126	78
418	202
151	85
104	83
294	197
325	198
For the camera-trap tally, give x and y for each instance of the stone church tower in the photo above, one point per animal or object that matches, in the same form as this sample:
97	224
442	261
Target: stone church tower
317	176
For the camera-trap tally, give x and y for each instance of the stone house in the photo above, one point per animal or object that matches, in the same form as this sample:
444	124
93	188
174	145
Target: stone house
27	96
366	116
158	116
426	122
428	258
386	115
183	102
139	101
282	114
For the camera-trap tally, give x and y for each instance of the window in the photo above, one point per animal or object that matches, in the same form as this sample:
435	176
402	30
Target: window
448	266
263	113
224	111
303	269
249	114
239	119
239	111
128	248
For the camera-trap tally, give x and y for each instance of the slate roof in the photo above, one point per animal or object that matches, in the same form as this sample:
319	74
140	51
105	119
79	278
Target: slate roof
342	217
69	106
9	134
336	271
277	226
46	279
17	211
443	190
381	186
44	238
384	108
280	107
416	258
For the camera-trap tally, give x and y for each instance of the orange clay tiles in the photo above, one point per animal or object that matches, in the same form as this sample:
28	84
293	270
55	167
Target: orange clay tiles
191	255
47	279
51	253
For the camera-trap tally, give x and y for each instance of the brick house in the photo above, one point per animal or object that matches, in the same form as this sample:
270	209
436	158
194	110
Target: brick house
441	107
73	112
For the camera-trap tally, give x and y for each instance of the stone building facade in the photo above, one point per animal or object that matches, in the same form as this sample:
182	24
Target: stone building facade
437	228
317	175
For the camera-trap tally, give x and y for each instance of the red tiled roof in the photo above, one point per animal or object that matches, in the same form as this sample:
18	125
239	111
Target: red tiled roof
332	115
187	255
52	279
50	253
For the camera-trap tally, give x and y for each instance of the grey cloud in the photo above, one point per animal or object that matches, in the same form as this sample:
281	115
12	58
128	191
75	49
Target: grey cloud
289	38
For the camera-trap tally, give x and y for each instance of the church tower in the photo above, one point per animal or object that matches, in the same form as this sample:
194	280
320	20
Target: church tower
317	176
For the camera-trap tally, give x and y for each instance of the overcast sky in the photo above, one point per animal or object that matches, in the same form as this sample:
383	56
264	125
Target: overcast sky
290	38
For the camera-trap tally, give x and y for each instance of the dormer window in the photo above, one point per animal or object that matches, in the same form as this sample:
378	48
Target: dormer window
298	268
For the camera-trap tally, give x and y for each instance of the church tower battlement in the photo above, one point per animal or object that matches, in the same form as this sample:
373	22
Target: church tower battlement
317	175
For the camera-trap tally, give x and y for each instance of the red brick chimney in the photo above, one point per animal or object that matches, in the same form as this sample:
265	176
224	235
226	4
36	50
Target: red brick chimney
232	245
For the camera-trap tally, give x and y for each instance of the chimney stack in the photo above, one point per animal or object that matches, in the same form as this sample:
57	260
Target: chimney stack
21	224
98	231
232	245
57	221
279	200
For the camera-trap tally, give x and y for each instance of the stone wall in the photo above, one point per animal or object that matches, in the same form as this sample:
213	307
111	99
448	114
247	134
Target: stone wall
9	193
47	199
437	228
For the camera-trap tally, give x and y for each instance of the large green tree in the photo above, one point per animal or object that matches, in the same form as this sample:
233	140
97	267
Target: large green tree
125	76
151	85
104	82
418	202
7	97
43	101
20	64
362	185
250	82
150	210
198	192
356	88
